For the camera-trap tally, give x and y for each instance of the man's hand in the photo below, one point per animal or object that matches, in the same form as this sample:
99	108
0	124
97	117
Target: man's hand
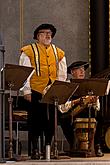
93	99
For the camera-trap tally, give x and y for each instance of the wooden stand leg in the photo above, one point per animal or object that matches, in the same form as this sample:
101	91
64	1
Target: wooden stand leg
10	100
55	136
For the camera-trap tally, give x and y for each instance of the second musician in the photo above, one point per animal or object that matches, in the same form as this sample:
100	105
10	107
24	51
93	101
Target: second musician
78	106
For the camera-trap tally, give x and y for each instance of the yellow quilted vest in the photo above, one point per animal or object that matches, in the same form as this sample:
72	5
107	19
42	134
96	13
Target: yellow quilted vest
45	61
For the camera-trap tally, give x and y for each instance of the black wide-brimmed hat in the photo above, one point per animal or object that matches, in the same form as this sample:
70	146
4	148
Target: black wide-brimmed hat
76	65
44	26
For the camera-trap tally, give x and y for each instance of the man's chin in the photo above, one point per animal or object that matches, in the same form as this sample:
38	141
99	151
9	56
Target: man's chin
81	77
48	43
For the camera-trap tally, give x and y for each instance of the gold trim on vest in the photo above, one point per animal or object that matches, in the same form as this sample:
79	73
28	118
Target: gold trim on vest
56	57
36	53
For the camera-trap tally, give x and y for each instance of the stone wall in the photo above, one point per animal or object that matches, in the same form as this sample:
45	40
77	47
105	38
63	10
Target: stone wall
19	18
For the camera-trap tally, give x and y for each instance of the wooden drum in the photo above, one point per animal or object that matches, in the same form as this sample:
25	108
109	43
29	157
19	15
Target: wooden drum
85	131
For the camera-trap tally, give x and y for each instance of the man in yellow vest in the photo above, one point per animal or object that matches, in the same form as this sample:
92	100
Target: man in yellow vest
49	63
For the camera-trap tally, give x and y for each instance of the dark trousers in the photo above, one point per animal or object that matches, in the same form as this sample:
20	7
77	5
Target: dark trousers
99	126
41	120
67	128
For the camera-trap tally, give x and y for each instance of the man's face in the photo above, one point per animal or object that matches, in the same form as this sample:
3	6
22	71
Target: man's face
78	73
44	37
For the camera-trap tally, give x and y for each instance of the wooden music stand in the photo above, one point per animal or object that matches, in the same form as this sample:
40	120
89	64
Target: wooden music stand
15	77
58	94
103	74
90	87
